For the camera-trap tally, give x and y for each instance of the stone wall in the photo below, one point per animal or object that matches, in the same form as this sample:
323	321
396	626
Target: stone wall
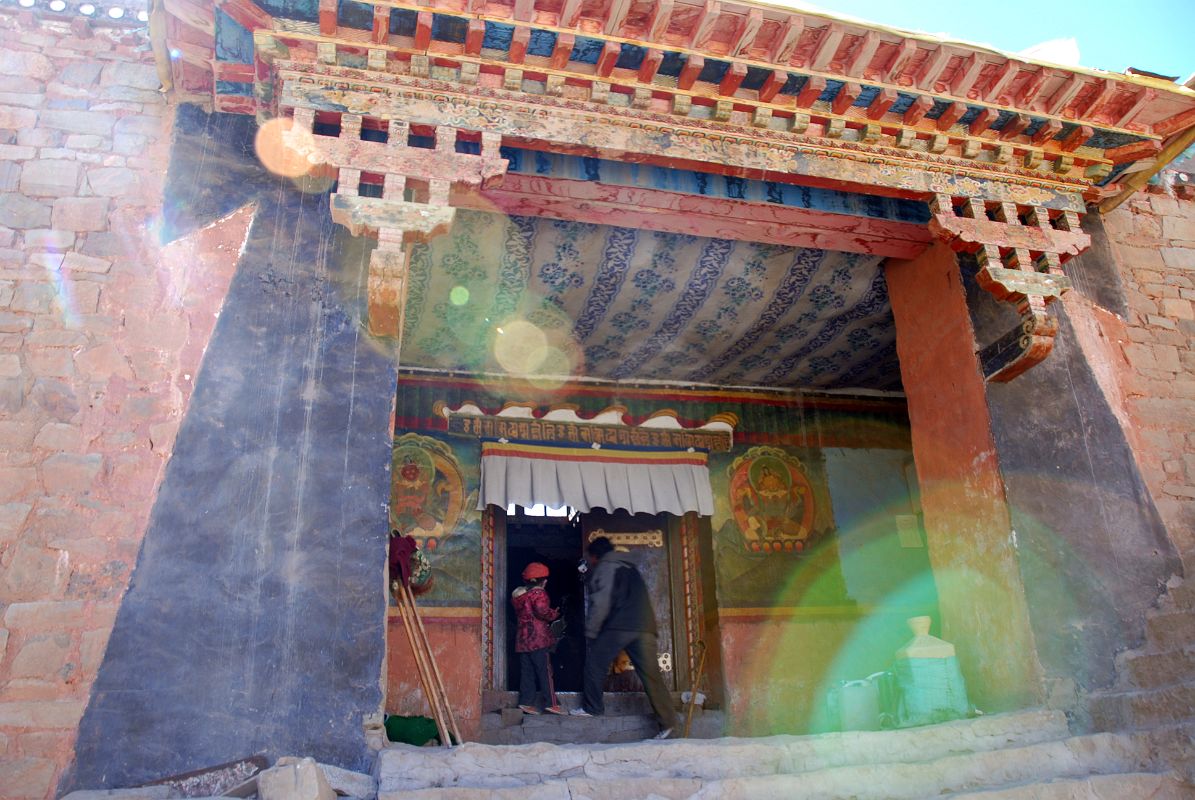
1153	240
101	332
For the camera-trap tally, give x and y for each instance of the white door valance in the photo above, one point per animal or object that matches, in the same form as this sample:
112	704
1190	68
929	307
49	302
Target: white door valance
638	480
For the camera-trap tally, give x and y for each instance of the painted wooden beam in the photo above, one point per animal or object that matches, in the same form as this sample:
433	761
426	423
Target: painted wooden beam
918	109
772	85
882	102
1014	127
660	18
1147	148
673	212
786	43
1004	79
951	115
616	16
651	65
968	73
608	58
900	61
423	30
247	14
1064	94
327	17
710	12
474	36
827	46
689	72
1047	131
1101	97
862	59
518	45
982	121
1175	123
381	25
812	89
932	69
524	10
732	79
562	51
747	32
1143	98
570	13
846	97
1075	139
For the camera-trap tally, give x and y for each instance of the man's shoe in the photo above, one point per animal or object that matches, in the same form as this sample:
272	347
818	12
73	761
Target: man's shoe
578	712
557	710
529	710
664	734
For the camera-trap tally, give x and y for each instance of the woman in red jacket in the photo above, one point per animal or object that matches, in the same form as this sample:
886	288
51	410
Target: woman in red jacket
534	613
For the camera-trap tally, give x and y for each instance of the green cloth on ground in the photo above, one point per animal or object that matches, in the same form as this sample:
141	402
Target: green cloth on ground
411	730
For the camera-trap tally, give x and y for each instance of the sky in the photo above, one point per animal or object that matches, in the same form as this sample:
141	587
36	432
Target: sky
1154	35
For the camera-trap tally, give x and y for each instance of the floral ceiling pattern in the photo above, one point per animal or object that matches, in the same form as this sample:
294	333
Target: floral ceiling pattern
632	304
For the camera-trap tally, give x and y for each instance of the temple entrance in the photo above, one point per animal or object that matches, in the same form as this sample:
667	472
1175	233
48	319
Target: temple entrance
557	538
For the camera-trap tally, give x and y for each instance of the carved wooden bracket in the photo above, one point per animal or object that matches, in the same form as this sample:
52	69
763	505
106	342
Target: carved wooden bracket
397	221
1020	251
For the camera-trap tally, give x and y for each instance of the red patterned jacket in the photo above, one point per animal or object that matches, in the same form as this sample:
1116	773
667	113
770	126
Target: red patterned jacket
533	612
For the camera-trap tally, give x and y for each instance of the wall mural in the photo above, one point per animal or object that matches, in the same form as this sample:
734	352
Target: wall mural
433	496
773	526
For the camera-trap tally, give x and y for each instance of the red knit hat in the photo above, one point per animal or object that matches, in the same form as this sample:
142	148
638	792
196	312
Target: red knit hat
534	571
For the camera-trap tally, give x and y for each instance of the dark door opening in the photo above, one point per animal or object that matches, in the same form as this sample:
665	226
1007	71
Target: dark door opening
556	542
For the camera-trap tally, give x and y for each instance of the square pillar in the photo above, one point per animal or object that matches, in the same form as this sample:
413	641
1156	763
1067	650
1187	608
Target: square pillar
972	546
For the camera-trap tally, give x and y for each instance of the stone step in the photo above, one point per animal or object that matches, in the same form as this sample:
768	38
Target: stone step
513	727
1137	709
1172	630
401	767
1130	786
616	703
578	776
1155	670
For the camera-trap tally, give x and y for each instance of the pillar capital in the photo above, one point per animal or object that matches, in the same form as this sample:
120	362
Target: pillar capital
1020	251
398	218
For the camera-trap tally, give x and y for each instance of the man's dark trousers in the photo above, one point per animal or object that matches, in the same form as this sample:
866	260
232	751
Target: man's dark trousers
533	674
641	648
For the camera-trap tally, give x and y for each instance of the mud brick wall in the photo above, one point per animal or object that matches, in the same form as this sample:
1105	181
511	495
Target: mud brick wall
101	334
1153	239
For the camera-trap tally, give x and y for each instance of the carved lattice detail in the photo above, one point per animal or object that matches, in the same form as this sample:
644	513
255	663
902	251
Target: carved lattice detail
1020	251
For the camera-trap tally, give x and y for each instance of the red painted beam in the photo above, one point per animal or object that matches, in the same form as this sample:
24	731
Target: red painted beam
1014	127
474	36
232	71
1176	123
1074	140
812	90
1131	152
423	30
653	209
650	65
563	50
982	121
608	58
951	115
518	45
1047	132
846	97
247	14
882	102
732	79
918	110
689	72
381	25
772	85
327	17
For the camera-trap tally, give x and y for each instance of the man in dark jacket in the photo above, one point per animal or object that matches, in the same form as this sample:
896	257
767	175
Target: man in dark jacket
621	618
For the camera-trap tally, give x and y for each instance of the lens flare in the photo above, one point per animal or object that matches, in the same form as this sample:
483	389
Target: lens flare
459	296
520	347
286	149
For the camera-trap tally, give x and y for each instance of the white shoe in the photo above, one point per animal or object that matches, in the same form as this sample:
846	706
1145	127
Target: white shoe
664	734
578	712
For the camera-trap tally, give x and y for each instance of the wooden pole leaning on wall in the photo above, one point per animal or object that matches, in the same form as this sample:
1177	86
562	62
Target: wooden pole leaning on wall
693	692
437	679
421	666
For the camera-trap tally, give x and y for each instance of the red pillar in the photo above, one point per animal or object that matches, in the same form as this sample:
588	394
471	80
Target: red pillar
969	532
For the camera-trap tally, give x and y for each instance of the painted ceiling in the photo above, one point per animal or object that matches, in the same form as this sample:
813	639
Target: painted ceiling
537	296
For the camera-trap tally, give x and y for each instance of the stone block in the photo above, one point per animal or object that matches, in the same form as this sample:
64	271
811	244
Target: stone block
75	121
60	436
42	656
22	99
1179	257
102	362
343	782
49	239
84	141
12	394
33	572
27	778
82	73
142	793
12	517
142	125
71	473
124	73
15	117
54	361
81	213
77	262
20	64
113	181
1177	308
10	176
10	365
16	152
17	483
55	397
300	780
1178	227
39	137
32	297
18	211
63	714
42	615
